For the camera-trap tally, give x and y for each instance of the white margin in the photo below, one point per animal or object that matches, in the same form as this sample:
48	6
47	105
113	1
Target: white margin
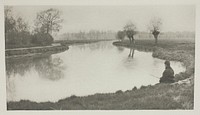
3	107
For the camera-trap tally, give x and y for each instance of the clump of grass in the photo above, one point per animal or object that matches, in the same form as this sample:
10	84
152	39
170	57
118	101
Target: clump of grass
119	92
135	88
73	96
143	87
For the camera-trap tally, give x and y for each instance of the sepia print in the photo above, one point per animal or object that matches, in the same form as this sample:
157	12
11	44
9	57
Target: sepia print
100	57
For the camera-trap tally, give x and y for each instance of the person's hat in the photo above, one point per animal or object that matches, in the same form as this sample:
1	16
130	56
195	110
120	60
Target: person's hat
167	63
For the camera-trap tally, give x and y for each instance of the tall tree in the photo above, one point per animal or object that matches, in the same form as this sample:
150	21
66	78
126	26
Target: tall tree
10	22
16	30
130	30
155	27
21	25
48	21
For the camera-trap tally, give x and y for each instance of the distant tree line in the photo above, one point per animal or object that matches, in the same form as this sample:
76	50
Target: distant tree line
91	35
18	34
121	35
168	35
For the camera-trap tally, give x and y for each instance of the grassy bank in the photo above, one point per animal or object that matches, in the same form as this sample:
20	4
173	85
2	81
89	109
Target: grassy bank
34	50
160	96
179	95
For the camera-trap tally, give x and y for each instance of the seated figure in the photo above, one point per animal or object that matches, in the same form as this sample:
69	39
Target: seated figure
168	74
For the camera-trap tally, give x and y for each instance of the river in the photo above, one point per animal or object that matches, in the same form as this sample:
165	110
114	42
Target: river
82	70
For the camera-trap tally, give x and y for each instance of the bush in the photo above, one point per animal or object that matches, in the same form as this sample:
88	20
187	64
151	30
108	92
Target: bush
135	88
119	92
42	39
73	96
17	33
120	35
18	39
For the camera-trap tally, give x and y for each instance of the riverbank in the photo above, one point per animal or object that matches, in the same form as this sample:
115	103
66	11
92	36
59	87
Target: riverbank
31	51
179	95
161	96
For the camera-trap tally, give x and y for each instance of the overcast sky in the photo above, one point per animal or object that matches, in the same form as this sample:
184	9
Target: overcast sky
85	18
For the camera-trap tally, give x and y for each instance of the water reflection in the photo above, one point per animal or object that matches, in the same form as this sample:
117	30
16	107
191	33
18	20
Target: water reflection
120	49
95	46
144	48
18	66
50	68
131	53
129	62
10	88
46	67
91	68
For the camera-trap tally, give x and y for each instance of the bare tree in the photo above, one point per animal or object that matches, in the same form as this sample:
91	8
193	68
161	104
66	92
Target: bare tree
48	21
120	35
21	25
130	30
10	22
17	33
154	27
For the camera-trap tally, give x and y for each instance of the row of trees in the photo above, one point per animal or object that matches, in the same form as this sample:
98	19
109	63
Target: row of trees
167	35
18	34
91	35
130	30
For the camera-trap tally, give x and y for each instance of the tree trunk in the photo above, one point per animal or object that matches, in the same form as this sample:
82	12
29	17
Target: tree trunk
156	39
47	29
133	40
130	40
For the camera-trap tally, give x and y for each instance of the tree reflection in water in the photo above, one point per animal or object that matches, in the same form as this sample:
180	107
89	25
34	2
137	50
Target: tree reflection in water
50	68
46	66
96	46
18	66
120	49
130	62
131	53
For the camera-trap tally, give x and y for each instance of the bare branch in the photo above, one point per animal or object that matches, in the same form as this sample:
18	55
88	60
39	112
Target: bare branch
49	20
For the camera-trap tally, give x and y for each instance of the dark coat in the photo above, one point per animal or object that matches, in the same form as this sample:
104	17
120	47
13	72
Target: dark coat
168	76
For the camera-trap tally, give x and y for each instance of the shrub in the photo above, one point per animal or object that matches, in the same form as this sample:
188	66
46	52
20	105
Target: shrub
73	96
42	39
135	88
119	92
18	39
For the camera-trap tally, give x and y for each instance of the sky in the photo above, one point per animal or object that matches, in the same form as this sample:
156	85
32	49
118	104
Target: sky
104	18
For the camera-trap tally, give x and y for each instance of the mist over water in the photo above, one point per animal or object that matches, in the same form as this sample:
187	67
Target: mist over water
82	70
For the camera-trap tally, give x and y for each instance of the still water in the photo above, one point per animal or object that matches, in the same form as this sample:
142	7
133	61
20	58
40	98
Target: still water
82	70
